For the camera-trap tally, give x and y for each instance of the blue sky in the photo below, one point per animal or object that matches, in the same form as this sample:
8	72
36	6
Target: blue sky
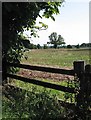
72	23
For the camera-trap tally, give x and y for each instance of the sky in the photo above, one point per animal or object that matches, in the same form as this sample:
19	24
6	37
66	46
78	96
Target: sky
72	23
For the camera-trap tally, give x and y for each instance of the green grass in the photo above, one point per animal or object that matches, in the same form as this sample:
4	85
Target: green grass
59	94
26	104
56	57
33	106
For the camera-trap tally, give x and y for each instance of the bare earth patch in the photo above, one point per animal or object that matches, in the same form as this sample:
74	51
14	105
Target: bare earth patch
44	75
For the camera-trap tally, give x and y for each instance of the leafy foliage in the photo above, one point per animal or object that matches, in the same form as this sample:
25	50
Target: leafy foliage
18	16
77	46
69	46
45	46
56	39
33	105
38	46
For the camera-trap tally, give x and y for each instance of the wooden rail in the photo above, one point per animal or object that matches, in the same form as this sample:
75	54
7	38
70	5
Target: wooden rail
44	84
83	73
78	68
43	69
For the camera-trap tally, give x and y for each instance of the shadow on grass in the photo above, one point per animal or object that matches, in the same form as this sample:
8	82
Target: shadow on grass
33	105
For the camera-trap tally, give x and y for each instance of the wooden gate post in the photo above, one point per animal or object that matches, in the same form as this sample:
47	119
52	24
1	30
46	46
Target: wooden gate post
79	69
88	87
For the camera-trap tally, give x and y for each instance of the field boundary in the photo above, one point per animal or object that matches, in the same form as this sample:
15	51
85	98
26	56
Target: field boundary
81	71
43	69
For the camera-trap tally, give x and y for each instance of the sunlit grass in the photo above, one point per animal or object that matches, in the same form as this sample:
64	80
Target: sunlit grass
56	57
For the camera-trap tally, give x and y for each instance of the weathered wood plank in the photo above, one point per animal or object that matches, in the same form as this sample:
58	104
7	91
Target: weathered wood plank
44	84
43	69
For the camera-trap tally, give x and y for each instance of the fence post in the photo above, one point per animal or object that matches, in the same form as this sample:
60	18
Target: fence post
87	90
79	69
88	78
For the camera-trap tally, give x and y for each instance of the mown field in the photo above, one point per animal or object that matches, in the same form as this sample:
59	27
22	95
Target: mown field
56	57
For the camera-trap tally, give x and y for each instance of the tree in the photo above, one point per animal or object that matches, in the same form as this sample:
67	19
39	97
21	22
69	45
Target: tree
24	41
38	46
31	46
45	46
69	46
77	46
56	39
18	16
83	45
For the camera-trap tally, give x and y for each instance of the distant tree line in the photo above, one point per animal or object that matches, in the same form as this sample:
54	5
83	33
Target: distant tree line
26	43
55	41
83	45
